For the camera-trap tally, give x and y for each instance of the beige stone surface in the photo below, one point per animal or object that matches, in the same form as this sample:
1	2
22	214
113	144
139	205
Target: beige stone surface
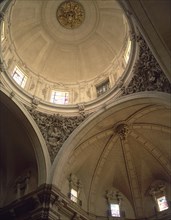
67	55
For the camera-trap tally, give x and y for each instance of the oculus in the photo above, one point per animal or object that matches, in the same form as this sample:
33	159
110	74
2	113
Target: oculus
70	14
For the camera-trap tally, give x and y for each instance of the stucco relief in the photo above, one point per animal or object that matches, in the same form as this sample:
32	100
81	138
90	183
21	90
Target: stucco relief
2	68
2	16
55	128
147	74
122	130
70	14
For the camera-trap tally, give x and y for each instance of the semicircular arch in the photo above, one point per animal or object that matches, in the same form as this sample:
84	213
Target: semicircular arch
77	137
33	132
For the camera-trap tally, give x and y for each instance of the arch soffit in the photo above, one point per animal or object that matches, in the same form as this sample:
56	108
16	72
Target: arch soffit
38	143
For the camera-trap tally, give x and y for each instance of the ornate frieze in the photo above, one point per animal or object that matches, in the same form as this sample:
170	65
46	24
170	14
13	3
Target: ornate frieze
147	74
55	128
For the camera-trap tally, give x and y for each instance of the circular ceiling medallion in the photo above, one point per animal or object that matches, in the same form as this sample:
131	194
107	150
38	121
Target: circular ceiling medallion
70	14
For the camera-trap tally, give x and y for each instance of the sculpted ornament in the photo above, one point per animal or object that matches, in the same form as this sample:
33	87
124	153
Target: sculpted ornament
122	130
147	74
157	187
113	195
22	184
2	68
55	128
70	14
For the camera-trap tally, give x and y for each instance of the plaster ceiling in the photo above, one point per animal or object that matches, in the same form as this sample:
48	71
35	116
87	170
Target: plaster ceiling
59	54
102	159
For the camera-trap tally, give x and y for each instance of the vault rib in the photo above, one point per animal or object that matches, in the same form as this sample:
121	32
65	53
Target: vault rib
153	150
101	161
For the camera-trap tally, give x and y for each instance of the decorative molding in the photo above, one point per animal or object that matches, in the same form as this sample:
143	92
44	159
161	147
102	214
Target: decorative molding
81	108
158	187
147	74
55	128
2	68
47	202
113	196
35	102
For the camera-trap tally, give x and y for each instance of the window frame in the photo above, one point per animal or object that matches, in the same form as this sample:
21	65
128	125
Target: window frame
103	87
112	210
63	100
19	77
73	197
160	204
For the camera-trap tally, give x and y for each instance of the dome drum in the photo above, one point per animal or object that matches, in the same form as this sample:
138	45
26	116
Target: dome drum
80	66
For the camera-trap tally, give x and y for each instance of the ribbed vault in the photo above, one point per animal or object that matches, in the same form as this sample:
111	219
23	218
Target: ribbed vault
121	150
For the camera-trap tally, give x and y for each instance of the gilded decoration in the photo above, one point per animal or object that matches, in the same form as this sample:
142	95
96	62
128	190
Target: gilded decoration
70	14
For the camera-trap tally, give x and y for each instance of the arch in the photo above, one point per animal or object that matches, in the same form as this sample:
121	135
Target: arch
33	132
155	98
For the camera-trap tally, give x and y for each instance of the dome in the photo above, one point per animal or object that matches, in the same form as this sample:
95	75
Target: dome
106	154
70	46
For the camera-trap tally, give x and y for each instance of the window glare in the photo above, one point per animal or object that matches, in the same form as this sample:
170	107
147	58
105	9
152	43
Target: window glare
127	52
3	31
115	212
101	89
74	195
162	203
19	77
59	97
